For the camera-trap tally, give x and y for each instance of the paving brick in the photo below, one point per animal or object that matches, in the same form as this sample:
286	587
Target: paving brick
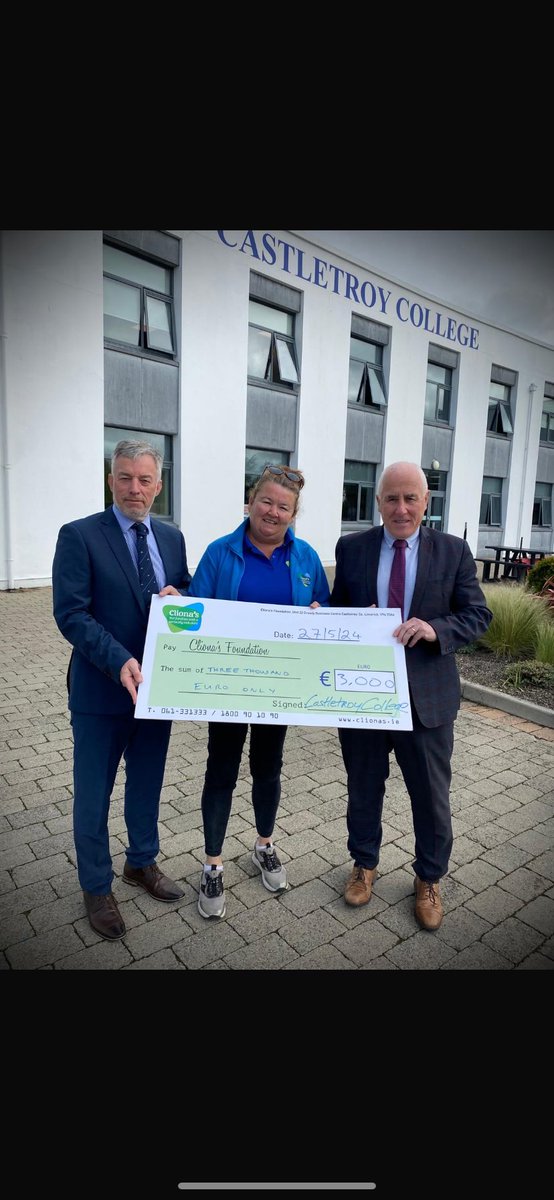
311	931
102	956
16	928
544	865
506	857
513	939
60	912
478	957
536	962
525	883
494	905
422	952
325	958
46	948
365	942
156	934
269	954
460	928
163	960
219	940
477	875
540	915
20	837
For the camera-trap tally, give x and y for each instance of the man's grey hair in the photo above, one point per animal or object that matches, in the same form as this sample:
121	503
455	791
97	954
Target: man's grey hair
126	449
415	466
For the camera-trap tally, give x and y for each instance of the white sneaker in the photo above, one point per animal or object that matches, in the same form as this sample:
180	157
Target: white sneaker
211	897
274	876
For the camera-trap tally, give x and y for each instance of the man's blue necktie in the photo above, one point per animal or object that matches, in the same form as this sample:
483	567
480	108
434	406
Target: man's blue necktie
147	576
397	581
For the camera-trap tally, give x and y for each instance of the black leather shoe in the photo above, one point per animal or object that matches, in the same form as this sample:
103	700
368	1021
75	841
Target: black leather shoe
151	879
104	916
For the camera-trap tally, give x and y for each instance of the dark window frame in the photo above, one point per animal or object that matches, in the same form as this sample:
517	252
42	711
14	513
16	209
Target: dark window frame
273	379
143	350
491	506
546	436
364	399
361	485
441	389
500	412
542	509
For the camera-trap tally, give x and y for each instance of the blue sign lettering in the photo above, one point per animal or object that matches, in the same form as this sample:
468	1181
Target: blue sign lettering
291	260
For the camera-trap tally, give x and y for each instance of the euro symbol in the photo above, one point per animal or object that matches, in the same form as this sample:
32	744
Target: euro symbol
324	678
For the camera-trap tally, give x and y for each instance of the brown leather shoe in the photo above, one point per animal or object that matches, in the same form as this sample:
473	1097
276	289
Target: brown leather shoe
428	905
161	887
358	888
104	916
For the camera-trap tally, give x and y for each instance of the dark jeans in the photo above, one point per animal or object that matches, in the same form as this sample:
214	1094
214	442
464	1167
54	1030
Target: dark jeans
423	756
225	745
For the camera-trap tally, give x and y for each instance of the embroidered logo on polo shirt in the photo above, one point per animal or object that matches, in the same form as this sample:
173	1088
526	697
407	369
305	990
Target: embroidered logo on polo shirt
305	579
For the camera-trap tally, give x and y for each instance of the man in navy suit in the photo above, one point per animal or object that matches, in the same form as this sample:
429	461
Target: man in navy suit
444	608
101	609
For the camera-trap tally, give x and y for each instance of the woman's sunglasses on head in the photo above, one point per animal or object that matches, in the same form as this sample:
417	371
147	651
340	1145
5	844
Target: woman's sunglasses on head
294	476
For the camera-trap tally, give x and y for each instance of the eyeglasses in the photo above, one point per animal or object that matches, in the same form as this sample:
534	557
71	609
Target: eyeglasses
294	476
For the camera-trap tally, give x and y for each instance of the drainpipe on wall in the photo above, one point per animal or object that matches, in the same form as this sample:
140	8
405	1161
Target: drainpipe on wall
4	434
532	389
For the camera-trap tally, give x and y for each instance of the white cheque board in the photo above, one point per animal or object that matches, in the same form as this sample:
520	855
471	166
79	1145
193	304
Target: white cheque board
224	660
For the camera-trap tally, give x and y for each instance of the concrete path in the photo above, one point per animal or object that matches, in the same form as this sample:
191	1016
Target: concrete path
498	896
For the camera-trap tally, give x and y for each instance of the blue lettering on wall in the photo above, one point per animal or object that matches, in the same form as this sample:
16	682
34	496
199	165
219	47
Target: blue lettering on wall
291	260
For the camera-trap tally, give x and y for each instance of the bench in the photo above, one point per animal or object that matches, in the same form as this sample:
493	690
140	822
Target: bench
487	564
517	569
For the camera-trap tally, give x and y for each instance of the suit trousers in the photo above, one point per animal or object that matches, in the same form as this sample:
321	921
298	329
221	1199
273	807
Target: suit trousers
225	745
99	743
424	757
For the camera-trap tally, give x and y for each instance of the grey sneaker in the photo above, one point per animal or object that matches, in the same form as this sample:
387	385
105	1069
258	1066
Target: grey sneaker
211	897
274	876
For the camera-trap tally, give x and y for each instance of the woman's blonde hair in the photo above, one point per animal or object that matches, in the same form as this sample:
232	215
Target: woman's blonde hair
291	478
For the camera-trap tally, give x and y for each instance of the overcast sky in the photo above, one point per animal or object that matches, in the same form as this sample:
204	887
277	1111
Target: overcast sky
505	276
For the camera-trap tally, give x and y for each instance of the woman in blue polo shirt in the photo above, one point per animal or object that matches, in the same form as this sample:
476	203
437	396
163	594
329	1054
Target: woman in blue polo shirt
262	562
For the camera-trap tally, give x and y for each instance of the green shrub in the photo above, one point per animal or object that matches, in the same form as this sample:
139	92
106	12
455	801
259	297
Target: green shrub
544	649
518	616
538	575
531	672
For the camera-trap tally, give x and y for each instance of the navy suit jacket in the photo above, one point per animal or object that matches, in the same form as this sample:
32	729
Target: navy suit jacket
446	594
100	609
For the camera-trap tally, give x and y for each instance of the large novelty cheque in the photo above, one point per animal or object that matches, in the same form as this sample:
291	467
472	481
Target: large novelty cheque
224	660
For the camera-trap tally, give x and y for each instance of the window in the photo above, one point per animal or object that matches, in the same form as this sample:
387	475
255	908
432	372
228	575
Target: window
542	506
138	304
500	415
547	423
366	384
491	501
255	461
438	393
358	491
436	482
271	349
162	506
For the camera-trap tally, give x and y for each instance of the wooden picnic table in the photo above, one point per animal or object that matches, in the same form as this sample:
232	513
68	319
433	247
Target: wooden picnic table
514	561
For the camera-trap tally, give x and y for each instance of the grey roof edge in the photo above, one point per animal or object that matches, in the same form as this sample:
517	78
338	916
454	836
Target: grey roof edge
509	704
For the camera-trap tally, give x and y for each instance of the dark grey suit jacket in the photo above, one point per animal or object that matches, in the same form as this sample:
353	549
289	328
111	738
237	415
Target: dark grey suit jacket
100	609
447	595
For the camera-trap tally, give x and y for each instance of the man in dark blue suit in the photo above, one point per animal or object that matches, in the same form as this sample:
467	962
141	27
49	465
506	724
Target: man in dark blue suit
443	608
101	607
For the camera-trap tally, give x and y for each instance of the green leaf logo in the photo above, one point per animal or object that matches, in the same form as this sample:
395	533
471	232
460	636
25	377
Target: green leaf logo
183	620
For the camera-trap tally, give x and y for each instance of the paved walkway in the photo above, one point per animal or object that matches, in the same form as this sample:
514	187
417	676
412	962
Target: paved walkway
498	897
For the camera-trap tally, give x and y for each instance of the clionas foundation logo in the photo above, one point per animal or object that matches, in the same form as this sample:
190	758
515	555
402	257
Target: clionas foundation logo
183	620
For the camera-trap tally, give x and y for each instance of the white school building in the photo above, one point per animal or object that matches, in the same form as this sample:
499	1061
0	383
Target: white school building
335	351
